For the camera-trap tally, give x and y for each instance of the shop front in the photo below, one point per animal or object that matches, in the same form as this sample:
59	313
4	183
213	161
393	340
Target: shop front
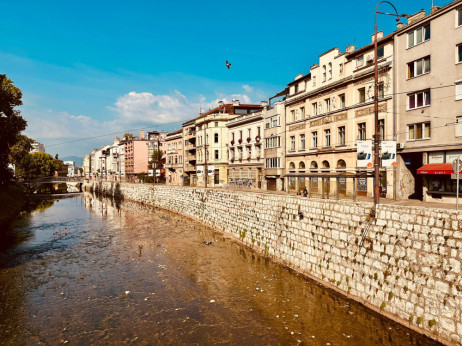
439	185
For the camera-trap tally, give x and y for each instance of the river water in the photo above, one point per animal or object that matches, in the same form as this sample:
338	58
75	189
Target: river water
83	270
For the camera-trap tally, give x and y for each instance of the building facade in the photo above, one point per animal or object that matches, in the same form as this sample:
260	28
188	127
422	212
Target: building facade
429	102
189	149
274	141
212	140
245	151
174	159
328	111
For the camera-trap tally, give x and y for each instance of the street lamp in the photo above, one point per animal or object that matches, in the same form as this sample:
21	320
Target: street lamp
376	103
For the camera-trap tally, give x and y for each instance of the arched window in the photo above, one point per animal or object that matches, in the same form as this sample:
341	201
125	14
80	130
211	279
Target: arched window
325	164
341	164
324	73
301	165
330	70
313	166
291	165
215	136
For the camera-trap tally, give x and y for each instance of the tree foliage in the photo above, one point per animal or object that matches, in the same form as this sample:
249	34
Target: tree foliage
11	123
20	149
128	135
37	165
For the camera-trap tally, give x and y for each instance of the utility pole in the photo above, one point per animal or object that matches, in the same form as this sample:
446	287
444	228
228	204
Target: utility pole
376	104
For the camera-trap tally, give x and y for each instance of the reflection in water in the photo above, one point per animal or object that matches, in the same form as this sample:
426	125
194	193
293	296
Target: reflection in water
56	188
92	272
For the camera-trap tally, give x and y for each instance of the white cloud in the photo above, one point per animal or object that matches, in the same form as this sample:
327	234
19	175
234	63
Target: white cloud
247	88
147	108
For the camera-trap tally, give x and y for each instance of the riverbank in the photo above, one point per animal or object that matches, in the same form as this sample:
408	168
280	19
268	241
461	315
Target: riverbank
404	264
13	199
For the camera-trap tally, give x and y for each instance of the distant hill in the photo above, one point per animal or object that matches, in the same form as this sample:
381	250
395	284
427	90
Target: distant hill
78	160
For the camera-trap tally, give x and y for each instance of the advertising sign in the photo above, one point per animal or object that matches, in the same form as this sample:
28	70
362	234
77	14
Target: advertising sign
388	153
200	171
364	154
211	170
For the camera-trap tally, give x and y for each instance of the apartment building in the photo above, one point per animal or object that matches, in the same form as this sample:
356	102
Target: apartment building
37	147
174	157
189	148
245	151
212	139
328	111
274	140
429	102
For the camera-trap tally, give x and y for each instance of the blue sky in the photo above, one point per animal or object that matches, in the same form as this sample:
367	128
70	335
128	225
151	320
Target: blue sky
88	68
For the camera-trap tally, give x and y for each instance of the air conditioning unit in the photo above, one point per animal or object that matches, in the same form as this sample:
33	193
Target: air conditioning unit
400	145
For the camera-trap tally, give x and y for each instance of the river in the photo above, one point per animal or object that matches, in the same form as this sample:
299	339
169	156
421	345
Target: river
83	270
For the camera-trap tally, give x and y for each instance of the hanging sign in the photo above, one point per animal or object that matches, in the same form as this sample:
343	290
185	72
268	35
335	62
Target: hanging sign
388	149
364	153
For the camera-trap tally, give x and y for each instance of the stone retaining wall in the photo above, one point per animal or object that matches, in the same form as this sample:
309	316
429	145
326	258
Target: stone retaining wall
408	267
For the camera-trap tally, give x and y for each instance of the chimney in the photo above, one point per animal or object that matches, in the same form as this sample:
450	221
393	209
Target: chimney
141	134
435	9
236	103
416	17
379	36
399	25
263	103
221	103
350	48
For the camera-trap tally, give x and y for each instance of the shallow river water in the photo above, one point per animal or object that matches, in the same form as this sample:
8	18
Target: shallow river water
83	270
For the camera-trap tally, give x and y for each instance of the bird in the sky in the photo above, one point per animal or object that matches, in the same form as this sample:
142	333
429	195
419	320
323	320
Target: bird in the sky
228	64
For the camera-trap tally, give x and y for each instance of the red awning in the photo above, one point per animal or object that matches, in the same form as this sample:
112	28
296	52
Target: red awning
436	168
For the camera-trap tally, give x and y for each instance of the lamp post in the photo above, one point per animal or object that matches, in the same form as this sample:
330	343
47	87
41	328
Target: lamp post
376	103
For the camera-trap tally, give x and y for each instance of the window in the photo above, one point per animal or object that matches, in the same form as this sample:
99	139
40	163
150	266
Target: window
360	61
327	102
272	163
459	53
380	92
362	131
258	131
302	112
381	126
273	142
292	115
418	67
340	68
459	90
327	138
249	132
232	136
302	142
314	81
240	135
296	88
324	73
216	154
418	131
419	99
314	139
216	123
250	173
380	52
341	135
459	126
341	101
315	109
215	137
361	95
459	17
330	70
292	142
418	36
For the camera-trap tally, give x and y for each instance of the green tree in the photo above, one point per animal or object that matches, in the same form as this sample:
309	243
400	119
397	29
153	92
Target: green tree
11	123
156	161
21	149
37	165
128	135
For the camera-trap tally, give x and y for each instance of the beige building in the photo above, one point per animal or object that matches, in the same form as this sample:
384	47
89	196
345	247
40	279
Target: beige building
328	111
174	159
212	139
189	149
245	150
274	122
429	102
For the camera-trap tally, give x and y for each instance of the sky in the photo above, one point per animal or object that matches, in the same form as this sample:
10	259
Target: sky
92	70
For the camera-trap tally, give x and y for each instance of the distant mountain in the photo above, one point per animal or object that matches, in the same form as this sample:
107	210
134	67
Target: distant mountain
78	160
